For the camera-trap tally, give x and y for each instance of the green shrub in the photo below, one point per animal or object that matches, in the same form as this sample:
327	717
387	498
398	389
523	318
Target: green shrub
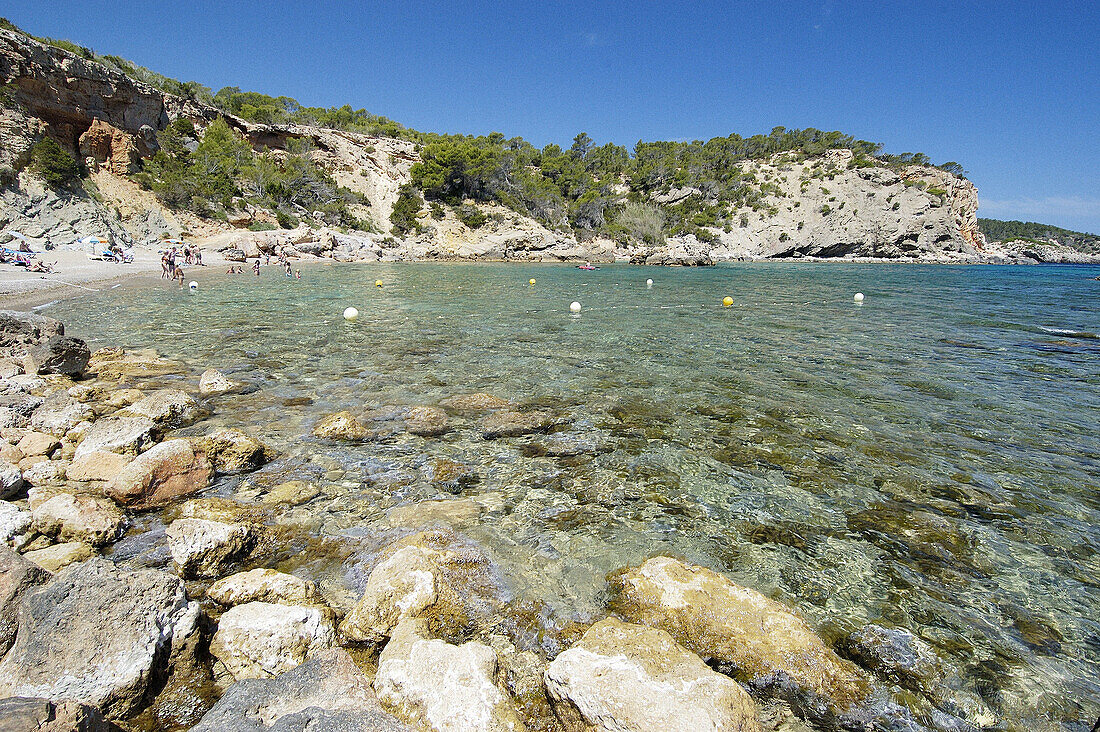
437	210
56	166
261	226
825	210
641	221
937	192
471	216
286	221
784	236
405	209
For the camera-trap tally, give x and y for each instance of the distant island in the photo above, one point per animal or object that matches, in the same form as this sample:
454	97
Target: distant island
96	145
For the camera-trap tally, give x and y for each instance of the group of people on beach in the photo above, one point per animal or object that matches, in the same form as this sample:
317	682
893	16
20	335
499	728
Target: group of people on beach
284	262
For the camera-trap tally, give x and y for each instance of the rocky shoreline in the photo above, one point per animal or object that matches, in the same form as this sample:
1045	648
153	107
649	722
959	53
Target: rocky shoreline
135	596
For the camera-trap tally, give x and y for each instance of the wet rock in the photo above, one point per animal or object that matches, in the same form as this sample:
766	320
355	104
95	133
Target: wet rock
340	426
327	693
37	443
52	558
261	639
569	444
89	519
127	435
97	635
59	414
225	510
161	475
11	479
477	402
292	493
453	512
14	522
621	676
18	575
451	476
114	363
514	424
167	408
98	465
202	548
25	714
264	585
402	586
760	641
426	421
896	655
233	452
58	355
213	381
440	686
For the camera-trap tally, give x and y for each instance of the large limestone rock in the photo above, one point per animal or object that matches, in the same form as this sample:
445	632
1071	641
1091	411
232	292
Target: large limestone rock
621	677
340	426
14	522
514	424
24	714
202	548
440	686
17	576
167	408
99	465
264	585
127	435
232	451
402	586
37	443
59	414
57	556
261	639
90	519
111	148
58	355
327	693
97	635
162	474
763	641
426	421
213	382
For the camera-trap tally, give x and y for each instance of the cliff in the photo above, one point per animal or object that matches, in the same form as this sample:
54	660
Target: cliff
832	206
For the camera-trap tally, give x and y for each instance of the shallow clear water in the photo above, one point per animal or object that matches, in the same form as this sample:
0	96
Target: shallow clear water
930	459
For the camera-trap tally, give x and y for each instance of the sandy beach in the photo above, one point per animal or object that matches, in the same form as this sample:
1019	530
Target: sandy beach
75	274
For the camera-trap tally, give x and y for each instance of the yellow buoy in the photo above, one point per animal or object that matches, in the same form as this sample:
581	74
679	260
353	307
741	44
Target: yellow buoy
378	283
531	281
727	301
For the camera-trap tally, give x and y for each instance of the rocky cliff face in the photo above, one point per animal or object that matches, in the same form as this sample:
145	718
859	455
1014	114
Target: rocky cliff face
823	207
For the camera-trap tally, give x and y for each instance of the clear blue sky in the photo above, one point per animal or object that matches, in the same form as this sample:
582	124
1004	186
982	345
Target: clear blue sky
1011	90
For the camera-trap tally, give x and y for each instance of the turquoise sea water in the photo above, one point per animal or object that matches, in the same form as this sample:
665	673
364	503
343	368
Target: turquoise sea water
930	459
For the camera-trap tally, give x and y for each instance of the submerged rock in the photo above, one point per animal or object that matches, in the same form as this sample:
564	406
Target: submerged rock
327	693
97	635
896	655
477	402
514	424
114	363
621	676
440	686
264	585
451	476
90	519
162	474
426	421
340	426
761	641
261	639
202	548
292	493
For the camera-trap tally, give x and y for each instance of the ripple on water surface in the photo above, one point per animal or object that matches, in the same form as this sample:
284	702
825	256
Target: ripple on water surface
929	459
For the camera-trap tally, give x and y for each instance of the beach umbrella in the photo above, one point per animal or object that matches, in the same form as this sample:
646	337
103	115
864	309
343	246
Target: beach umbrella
24	242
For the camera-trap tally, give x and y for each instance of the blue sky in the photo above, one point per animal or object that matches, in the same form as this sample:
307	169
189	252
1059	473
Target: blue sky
1011	90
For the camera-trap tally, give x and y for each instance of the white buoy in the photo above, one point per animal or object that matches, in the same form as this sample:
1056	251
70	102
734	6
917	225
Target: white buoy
574	307
649	283
193	285
858	297
350	314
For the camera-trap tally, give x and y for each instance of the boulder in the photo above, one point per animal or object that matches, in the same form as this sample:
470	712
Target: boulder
327	693
14	522
114	363
621	677
11	479
167	408
426	421
202	548
17	576
213	382
232	451
439	686
451	476
90	519
261	639
58	355
40	470
20	328
53	558
478	402
514	424
37	443
98	465
164	473
264	585
20	402
127	435
896	655
59	414
24	714
97	635
292	493
402	586
762	642
340	426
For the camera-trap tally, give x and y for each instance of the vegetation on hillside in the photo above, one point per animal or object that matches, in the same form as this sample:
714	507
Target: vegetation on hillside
1031	232
54	165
